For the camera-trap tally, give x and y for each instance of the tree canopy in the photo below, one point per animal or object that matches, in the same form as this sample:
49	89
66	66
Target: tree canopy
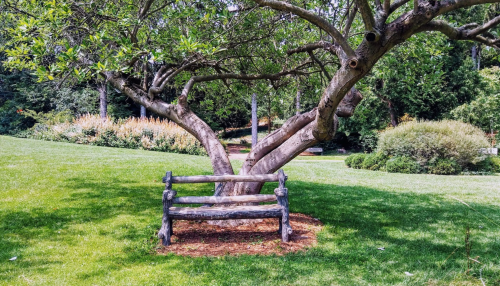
169	55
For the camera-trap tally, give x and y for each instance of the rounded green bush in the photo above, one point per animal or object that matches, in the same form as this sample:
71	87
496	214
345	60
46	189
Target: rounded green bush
445	167
357	160
432	140
495	161
375	161
348	160
490	165
403	164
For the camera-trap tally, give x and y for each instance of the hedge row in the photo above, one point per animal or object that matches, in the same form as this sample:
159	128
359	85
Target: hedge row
408	165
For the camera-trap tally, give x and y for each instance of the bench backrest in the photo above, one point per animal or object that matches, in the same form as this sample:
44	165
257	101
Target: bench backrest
169	180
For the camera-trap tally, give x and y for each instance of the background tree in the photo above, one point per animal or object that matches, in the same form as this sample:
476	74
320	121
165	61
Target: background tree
192	45
484	110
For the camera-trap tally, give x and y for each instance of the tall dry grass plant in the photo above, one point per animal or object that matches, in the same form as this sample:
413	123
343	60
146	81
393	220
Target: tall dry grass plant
148	134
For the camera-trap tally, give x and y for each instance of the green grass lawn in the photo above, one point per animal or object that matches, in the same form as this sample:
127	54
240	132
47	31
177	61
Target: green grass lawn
84	215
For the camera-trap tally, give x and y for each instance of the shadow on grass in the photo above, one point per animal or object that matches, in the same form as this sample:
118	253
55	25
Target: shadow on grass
418	231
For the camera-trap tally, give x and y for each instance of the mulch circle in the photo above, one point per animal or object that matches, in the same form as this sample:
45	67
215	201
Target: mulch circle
199	238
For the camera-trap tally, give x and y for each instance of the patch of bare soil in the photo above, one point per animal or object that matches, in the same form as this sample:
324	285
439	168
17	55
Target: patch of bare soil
195	238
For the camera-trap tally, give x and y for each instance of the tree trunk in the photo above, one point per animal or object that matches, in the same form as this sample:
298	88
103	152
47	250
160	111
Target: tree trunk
394	116
476	56
267	156
103	100
255	120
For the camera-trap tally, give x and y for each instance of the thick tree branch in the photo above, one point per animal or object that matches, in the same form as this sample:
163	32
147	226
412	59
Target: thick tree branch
184	117
276	138
387	7
459	33
314	19
366	14
490	24
396	4
165	78
450	5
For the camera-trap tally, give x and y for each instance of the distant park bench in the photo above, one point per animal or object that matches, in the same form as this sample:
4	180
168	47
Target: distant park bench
279	210
315	150
489	151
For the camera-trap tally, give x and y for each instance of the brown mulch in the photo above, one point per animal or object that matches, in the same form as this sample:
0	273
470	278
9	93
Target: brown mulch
195	238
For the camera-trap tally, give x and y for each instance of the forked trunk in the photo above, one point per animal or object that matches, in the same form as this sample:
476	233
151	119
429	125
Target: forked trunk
267	156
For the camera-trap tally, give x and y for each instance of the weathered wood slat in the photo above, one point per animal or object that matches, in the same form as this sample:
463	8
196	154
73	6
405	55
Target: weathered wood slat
224	178
225	200
222	213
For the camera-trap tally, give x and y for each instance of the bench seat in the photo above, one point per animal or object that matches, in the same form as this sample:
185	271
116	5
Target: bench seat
222	213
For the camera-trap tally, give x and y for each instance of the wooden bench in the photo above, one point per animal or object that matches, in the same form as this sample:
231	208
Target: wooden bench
315	150
279	210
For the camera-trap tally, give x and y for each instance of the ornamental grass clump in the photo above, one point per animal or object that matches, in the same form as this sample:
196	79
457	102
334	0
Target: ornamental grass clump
134	133
429	141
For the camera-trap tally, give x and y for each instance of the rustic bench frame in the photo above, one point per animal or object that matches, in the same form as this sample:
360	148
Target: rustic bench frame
279	210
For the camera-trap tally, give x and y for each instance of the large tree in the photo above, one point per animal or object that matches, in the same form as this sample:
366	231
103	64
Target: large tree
223	49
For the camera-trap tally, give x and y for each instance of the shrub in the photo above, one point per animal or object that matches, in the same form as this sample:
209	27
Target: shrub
348	160
495	161
368	140
403	164
429	141
357	160
133	133
375	161
490	165
445	167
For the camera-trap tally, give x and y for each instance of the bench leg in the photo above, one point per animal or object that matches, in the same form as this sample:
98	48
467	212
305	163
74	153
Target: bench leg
166	226
165	231
286	229
282	198
280	222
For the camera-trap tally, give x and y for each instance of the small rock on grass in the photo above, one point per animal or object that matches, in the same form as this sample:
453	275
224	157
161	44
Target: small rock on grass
408	273
13	258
